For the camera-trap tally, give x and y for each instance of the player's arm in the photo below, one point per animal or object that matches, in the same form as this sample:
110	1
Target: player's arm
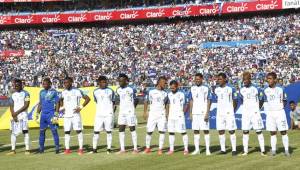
57	103
38	110
191	104
86	100
209	98
26	105
284	100
11	107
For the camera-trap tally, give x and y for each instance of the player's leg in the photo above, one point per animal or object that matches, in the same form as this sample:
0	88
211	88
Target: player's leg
55	137
171	130
285	141
97	128
108	125
181	128
261	142
231	127
283	127
196	128
258	126
220	122
204	126
272	128
76	121
151	124
246	126
162	128
134	139
122	125
13	137
67	130
25	131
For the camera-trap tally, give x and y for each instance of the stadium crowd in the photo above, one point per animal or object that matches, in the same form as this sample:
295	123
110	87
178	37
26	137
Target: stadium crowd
147	51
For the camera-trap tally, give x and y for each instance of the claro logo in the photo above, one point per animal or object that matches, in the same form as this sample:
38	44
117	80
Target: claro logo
103	17
272	5
185	12
80	18
131	15
54	19
27	20
3	20
241	8
207	11
160	13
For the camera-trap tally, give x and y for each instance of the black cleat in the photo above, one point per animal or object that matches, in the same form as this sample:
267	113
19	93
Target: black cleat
56	151
234	153
222	153
108	151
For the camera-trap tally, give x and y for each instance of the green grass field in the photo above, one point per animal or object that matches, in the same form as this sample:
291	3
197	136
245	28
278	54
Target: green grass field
50	161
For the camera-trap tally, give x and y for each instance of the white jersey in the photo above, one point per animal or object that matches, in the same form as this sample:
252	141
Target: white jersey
157	100
176	104
19	99
200	96
71	100
225	96
104	99
274	98
127	96
251	96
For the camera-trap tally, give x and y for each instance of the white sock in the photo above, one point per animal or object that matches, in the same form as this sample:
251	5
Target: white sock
273	142
148	141
245	142
233	142
185	139
285	141
109	140
134	139
67	141
13	139
207	142
26	141
261	141
80	140
222	140
95	140
122	140
171	142
161	141
196	141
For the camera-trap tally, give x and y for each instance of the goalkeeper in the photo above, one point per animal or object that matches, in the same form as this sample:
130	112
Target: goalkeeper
47	114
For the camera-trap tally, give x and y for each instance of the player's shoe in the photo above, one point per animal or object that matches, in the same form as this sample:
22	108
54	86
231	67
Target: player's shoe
147	151
108	151
80	152
170	152
67	152
11	153
222	153
135	152
273	153
57	151
93	151
234	153
121	152
159	152
287	154
208	153
27	152
244	154
186	152
196	152
263	154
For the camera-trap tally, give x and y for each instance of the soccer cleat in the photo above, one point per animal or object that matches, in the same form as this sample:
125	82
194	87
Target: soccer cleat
170	152
27	152
11	153
121	152
196	152
234	153
287	154
135	152
186	152
93	151
263	154
80	152
160	152
222	153
208	153
147	151
108	151
67	152
244	154
57	151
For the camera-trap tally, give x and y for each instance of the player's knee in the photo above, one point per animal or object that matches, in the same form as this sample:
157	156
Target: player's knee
231	132
67	132
246	132
149	133
78	131
221	132
206	132
196	131
183	133
171	133
161	132
273	133
132	128
25	131
259	132
121	128
97	133
108	132
283	132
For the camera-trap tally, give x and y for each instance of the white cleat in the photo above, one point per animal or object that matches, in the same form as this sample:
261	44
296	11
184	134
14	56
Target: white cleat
245	154
196	153
208	153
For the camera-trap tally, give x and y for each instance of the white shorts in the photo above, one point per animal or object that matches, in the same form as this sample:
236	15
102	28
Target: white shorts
18	127
129	120
198	123
276	120
103	122
159	122
176	125
252	119
226	122
74	123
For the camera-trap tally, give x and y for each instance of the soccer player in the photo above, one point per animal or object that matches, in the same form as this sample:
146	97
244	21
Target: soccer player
127	117
19	103
252	101
226	103
176	119
157	99
275	99
48	107
70	100
295	115
200	101
105	101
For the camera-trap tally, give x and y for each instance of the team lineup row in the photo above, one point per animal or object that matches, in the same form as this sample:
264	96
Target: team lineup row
162	110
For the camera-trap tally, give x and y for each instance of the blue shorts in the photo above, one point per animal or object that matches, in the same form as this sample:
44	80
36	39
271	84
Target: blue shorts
45	120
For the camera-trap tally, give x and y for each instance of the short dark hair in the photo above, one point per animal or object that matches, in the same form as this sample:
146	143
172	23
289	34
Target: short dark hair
161	78
292	102
223	75
18	80
101	78
199	75
69	78
173	82
122	75
47	79
272	74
